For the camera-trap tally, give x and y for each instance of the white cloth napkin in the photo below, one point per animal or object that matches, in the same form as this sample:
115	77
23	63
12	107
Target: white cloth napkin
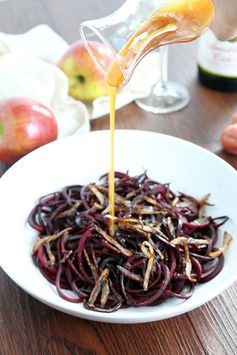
28	68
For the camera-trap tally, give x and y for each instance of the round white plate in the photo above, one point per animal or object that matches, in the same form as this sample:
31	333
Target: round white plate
82	159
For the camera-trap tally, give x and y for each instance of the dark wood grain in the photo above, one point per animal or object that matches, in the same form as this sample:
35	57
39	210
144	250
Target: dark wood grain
30	327
215	323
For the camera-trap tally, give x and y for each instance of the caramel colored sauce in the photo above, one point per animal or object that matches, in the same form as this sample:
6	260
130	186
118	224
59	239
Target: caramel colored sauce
112	97
175	21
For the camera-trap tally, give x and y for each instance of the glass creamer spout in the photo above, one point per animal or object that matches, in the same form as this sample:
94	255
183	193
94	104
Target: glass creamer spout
138	27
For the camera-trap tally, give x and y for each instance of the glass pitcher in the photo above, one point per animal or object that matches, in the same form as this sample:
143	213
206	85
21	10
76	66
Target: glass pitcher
140	26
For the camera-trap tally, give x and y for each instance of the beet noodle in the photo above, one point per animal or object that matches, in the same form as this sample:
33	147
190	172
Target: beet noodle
162	247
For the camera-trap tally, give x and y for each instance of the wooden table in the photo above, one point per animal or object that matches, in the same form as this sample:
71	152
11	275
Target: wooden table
30	327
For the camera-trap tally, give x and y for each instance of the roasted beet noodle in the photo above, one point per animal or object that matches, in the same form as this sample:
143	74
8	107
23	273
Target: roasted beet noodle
162	247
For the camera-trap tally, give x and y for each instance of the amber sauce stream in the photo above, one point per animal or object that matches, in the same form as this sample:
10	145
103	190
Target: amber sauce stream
176	21
112	98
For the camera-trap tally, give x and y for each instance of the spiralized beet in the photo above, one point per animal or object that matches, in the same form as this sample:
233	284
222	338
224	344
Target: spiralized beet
162	247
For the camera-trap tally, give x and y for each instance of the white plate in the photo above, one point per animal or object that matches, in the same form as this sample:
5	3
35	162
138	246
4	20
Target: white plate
82	159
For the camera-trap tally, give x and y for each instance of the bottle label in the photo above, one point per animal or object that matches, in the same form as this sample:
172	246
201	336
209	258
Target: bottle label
217	57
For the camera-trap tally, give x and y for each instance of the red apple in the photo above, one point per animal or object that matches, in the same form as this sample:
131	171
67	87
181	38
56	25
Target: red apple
24	126
86	80
229	138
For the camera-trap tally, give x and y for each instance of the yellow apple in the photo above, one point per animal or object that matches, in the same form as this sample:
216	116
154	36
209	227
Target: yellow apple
86	80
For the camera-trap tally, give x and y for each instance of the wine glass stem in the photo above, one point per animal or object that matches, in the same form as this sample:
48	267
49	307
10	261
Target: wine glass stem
163	61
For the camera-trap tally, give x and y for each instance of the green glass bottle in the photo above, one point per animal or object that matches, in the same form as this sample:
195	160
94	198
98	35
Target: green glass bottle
217	63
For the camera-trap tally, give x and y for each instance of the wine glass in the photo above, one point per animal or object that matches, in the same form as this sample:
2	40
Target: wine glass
165	96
